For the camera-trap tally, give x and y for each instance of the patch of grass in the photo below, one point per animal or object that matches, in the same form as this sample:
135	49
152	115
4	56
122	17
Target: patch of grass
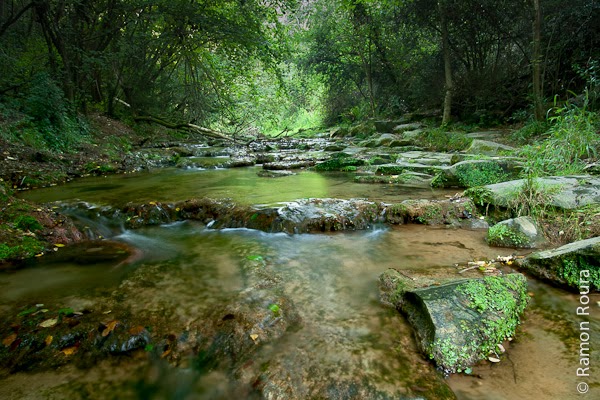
572	138
532	199
439	139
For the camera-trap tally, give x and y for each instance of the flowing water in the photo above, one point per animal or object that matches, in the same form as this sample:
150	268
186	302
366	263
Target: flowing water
185	270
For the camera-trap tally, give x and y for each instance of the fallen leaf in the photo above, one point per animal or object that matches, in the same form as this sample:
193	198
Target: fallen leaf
69	351
165	353
502	349
49	323
48	340
59	245
136	330
110	326
494	359
254	337
106	312
7	341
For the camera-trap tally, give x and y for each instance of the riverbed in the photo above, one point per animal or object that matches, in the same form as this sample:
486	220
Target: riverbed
185	270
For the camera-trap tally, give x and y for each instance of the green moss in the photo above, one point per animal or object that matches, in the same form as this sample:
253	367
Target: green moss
390	169
338	163
26	247
570	271
503	300
502	235
480	174
27	223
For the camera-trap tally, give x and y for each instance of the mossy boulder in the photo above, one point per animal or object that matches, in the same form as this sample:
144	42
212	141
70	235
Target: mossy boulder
571	266
431	212
461	322
522	232
338	163
472	173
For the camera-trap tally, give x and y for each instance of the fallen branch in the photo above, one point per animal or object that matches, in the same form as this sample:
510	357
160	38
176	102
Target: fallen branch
184	125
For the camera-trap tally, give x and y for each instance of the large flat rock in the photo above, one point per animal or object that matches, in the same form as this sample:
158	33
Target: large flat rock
567	192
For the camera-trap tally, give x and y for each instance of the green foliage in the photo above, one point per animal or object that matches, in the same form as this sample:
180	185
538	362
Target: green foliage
481	196
502	235
572	138
27	223
532	199
439	139
530	131
502	300
480	174
27	247
570	271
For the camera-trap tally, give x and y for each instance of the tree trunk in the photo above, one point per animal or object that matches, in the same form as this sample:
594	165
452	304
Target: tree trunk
537	61
449	84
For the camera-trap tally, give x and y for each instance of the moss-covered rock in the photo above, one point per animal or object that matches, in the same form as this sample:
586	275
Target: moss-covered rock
472	173
431	212
571	266
338	163
521	232
28	230
458	323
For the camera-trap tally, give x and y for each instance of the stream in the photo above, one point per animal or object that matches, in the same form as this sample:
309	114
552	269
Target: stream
184	270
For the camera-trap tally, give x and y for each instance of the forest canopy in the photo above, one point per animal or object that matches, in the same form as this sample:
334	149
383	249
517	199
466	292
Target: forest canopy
269	65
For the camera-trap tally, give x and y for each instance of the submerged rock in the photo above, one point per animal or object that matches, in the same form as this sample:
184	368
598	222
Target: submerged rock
571	266
274	173
522	232
460	322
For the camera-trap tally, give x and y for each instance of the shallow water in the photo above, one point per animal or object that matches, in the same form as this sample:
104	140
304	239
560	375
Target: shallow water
239	184
185	270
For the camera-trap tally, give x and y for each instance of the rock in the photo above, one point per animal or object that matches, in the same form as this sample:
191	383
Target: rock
457	324
237	162
425	157
339	163
567	192
486	135
471	173
274	173
521	232
474	224
335	147
592	169
488	148
573	266
385	139
402	166
288	164
387	125
405	178
401	128
431	212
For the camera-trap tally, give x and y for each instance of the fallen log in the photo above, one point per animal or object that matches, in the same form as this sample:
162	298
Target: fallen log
184	125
